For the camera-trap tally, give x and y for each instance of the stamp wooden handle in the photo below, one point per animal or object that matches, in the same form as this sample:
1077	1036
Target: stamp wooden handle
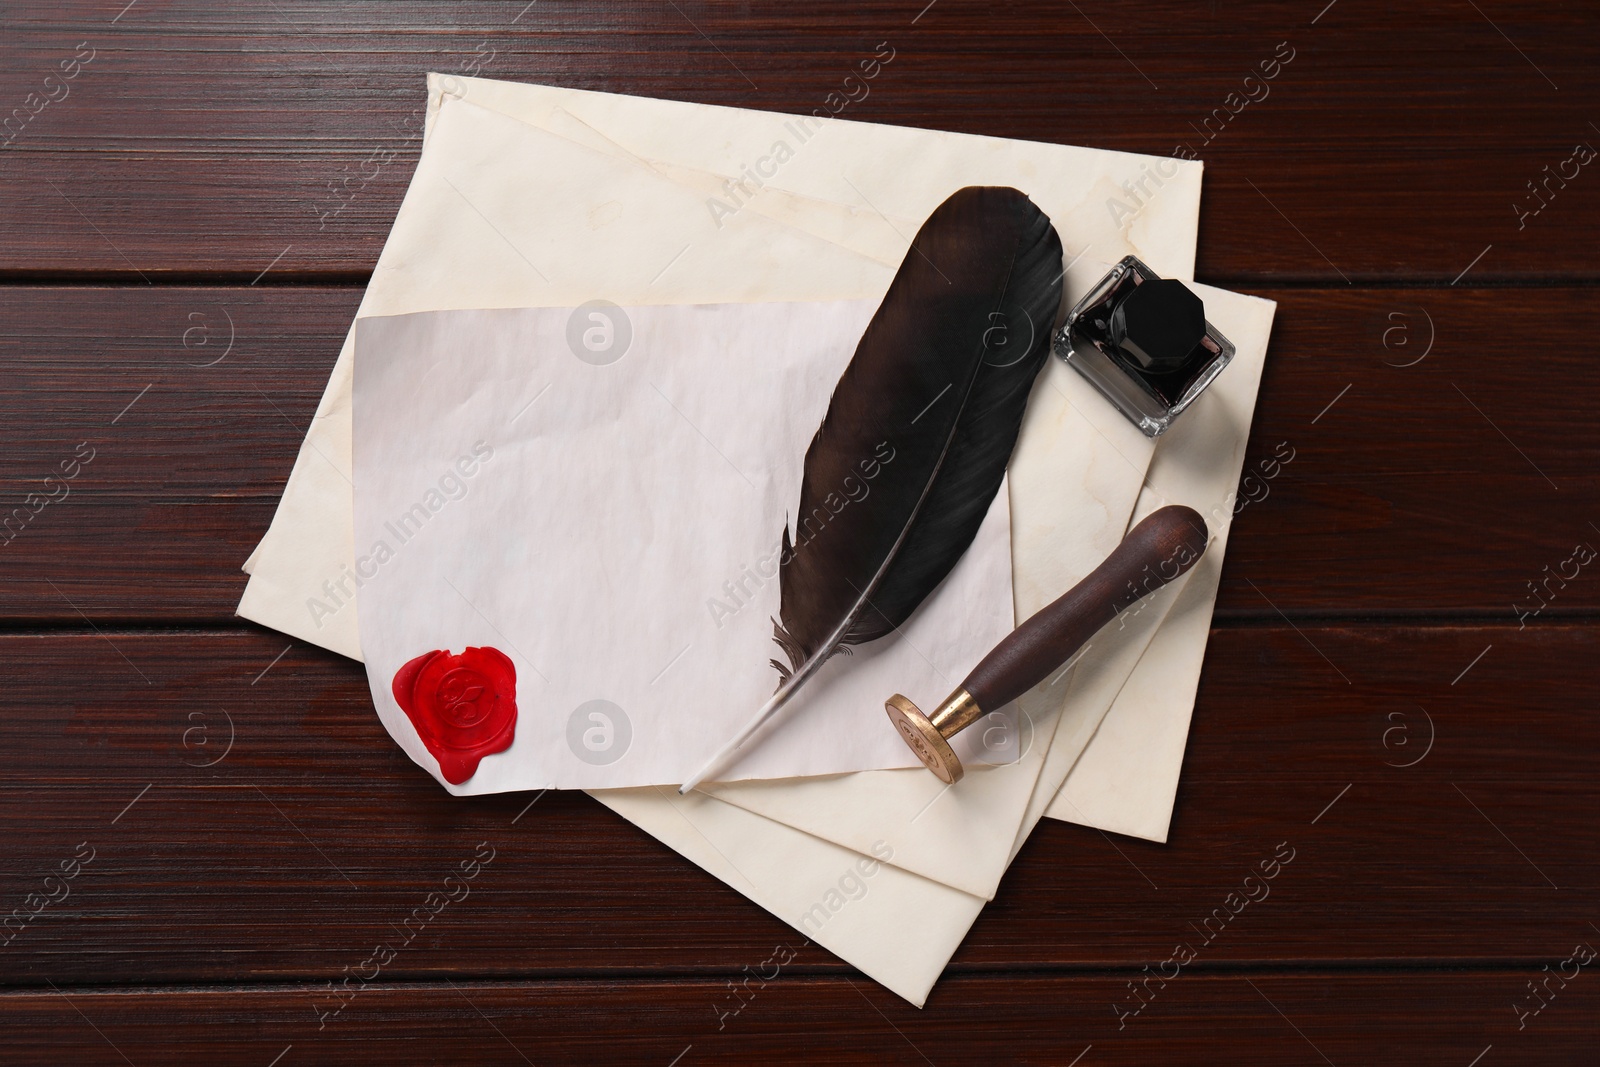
1157	551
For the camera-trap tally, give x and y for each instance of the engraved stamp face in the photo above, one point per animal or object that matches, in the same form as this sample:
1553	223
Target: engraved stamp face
918	745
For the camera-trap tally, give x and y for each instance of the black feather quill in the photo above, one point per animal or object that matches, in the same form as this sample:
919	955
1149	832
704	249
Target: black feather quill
918	432
931	404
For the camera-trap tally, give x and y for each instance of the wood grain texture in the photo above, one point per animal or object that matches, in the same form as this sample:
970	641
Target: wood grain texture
1261	1021
1394	144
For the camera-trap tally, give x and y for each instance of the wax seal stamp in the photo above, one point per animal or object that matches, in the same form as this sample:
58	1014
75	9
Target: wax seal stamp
927	734
1155	552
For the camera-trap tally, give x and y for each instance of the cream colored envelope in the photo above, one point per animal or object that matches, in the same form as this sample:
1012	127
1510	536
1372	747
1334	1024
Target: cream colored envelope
1127	778
1105	204
768	853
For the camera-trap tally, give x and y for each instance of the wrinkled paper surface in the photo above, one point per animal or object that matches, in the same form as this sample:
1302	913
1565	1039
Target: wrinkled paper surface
600	494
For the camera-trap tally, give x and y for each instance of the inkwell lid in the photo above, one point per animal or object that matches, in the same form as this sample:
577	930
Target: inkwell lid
1159	325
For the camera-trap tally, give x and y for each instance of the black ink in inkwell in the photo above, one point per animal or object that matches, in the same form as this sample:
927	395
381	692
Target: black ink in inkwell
1144	342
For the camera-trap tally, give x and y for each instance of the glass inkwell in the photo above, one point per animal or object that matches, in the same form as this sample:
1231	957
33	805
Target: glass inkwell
1144	342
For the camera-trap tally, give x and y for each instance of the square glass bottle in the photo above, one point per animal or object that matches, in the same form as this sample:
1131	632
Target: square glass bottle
1144	342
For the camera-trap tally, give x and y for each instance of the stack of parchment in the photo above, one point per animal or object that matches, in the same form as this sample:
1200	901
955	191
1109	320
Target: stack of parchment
648	203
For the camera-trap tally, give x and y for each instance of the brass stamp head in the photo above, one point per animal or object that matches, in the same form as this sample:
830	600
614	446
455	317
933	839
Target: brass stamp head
924	739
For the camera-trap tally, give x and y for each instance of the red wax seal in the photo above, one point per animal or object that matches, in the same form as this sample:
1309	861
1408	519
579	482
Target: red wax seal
464	707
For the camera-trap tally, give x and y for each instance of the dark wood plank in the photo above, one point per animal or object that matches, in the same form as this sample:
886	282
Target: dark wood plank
312	837
188	406
1400	474
1436	467
1397	142
1250	1020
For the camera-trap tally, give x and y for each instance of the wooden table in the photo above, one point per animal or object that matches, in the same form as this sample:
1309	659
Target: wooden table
1383	689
